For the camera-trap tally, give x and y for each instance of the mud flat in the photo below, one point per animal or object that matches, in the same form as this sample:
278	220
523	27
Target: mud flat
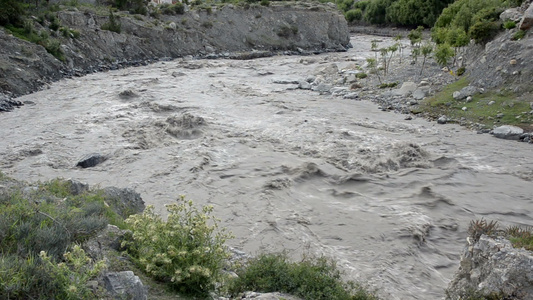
285	168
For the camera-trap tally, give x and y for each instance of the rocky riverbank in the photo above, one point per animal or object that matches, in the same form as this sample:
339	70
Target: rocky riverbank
223	31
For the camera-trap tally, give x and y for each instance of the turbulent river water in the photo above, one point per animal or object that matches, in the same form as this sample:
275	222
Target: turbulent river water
389	199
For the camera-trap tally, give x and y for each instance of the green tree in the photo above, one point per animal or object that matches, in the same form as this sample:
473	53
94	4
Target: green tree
376	11
416	12
443	53
11	12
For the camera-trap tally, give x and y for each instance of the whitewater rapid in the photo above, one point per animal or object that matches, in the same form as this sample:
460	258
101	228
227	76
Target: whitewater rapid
389	199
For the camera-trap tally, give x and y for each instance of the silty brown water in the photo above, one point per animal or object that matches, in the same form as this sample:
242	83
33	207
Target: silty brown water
285	168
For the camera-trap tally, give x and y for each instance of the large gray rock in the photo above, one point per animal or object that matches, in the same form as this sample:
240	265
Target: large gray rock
406	89
493	266
508	132
527	19
124	202
106	241
511	14
465	92
125	285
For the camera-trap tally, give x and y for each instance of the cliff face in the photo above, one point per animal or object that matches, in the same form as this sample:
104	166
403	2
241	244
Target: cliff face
215	32
491	267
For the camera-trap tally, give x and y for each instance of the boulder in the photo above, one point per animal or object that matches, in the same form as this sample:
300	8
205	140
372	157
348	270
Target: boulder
91	160
442	120
527	19
419	94
125	285
465	92
508	132
406	89
124	202
491	266
106	241
77	187
511	14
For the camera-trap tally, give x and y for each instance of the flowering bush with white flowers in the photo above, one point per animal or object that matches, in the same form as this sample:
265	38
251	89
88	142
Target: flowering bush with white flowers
187	250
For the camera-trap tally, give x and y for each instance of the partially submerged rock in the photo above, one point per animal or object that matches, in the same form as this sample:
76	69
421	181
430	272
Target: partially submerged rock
508	132
91	160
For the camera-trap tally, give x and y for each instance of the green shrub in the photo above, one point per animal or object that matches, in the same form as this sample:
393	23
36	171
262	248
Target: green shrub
185	251
361	75
345	5
461	71
521	237
361	4
443	54
520	34
509	25
317	278
113	24
265	2
54	24
354	15
484	31
287	30
173	9
388	85
376	11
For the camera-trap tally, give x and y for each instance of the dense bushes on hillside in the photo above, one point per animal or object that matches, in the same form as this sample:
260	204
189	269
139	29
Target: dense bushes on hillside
478	19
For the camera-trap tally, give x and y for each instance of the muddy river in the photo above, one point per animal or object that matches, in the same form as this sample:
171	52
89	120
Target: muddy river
389	199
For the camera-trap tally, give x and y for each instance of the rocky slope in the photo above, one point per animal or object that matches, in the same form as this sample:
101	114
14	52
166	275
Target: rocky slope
492	268
222	31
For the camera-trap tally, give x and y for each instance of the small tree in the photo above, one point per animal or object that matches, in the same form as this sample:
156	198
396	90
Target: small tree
398	40
426	51
443	54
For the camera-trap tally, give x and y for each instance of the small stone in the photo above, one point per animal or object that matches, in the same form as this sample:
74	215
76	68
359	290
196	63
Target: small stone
512	62
442	120
500	115
408	118
491	102
464	108
469	99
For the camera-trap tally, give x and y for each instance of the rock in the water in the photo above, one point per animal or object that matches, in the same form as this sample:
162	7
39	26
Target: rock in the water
508	132
91	160
527	19
125	285
124	202
8	104
465	92
491	266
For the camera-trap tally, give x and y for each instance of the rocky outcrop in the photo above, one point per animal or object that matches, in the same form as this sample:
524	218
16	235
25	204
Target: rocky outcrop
491	267
220	31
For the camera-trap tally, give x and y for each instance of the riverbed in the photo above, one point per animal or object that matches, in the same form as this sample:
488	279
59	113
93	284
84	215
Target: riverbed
389	199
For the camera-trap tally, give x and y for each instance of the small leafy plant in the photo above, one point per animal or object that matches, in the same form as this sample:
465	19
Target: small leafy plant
186	251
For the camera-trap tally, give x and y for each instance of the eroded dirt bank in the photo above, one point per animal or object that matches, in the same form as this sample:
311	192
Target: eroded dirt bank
285	168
